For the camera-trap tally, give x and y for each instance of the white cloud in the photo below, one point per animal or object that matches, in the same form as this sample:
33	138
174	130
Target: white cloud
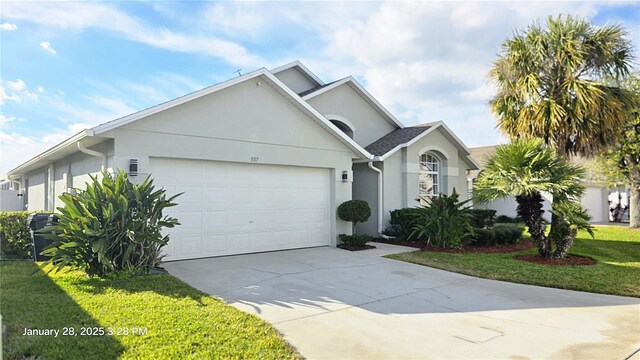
17	85
41	89
15	91
15	147
79	16
8	26
5	120
429	61
47	47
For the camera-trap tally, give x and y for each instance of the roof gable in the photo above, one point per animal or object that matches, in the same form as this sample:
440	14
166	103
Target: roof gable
360	90
298	77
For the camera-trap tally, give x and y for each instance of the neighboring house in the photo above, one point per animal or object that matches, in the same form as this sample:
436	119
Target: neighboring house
597	198
263	159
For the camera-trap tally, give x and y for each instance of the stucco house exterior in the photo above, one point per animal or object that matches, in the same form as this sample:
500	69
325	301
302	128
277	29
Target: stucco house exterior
597	198
263	159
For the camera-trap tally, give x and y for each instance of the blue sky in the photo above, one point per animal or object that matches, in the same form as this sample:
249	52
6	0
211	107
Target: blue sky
66	66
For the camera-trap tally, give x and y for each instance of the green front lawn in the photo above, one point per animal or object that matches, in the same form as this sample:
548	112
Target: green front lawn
151	317
617	271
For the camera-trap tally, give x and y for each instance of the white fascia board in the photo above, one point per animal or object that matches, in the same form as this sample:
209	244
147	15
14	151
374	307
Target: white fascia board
314	114
42	156
304	69
333	85
364	161
175	102
363	93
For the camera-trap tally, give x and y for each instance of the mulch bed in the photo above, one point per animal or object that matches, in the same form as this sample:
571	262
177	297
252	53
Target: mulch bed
355	248
569	260
507	248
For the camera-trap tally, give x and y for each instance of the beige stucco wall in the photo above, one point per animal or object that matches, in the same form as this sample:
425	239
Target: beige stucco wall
295	80
238	124
345	102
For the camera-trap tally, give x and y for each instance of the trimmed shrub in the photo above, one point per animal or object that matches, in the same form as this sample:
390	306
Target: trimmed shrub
482	218
444	222
15	238
402	222
355	240
504	219
111	226
498	235
354	211
484	237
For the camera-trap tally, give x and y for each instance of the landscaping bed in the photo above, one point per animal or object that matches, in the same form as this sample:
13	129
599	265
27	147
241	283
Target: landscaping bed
148	316
616	251
568	260
355	247
505	248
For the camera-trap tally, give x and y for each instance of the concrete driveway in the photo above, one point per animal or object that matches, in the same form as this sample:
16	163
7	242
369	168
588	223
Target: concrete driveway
335	304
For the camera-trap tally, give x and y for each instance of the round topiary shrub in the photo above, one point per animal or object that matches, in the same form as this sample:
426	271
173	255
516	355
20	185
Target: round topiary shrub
354	211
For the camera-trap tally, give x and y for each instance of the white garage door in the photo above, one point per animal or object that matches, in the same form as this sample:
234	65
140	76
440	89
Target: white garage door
233	208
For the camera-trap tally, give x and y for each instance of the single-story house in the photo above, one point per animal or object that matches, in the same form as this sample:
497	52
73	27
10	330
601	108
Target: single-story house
597	200
263	159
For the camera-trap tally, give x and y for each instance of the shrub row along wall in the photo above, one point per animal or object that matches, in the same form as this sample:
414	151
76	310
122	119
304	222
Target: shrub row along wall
15	238
487	231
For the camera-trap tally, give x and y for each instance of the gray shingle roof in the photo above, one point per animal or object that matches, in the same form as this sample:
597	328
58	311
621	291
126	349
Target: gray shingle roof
394	138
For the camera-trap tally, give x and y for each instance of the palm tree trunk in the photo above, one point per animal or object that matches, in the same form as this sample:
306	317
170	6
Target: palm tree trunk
634	205
530	210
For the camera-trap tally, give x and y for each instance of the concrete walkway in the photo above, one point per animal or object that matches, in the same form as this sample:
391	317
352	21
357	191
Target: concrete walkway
335	304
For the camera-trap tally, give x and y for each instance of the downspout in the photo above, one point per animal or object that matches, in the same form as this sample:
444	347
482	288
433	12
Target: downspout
380	199
96	154
16	182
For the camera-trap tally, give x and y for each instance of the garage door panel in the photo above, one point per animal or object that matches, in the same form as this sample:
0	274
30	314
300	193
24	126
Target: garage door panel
214	243
189	221
192	195
239	243
230	208
215	220
239	196
188	246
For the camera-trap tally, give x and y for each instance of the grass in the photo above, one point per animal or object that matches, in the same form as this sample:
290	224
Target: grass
179	321
615	249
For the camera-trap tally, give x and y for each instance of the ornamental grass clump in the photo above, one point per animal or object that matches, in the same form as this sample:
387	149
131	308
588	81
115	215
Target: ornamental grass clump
111	226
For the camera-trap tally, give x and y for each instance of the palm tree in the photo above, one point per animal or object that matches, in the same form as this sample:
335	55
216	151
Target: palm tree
527	169
550	85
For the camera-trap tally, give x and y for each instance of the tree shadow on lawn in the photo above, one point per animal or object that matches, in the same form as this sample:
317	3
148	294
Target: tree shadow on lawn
161	284
31	299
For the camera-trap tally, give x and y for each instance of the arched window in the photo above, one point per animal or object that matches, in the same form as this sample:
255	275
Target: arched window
343	127
429	176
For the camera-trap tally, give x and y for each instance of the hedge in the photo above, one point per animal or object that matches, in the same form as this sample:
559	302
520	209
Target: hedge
483	218
15	238
498	235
